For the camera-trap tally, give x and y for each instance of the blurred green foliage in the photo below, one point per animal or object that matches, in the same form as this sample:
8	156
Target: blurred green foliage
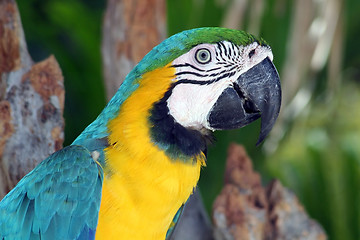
320	161
318	157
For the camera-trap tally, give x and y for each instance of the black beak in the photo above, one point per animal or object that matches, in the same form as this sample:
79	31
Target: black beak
256	93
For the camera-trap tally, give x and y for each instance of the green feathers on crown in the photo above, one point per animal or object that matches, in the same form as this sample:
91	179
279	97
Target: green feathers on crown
182	42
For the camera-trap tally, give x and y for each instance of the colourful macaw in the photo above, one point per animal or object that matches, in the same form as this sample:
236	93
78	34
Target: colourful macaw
129	172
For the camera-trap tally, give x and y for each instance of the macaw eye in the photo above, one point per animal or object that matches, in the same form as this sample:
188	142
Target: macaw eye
203	56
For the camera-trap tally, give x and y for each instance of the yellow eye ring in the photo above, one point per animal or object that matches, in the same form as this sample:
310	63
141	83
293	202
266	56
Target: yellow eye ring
203	56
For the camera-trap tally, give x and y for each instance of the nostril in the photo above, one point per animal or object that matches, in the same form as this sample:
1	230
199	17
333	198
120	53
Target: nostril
251	53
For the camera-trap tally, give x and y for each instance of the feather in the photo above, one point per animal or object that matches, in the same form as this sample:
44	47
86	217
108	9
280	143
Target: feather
57	200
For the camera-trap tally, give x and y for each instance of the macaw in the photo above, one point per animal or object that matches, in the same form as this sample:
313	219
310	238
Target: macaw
129	173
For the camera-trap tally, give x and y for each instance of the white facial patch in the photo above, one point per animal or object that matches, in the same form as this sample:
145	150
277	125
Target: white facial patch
190	104
200	83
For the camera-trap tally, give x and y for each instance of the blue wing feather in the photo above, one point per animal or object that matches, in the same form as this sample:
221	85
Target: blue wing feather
59	199
174	222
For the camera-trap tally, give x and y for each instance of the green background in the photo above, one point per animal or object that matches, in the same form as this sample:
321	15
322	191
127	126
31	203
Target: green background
318	157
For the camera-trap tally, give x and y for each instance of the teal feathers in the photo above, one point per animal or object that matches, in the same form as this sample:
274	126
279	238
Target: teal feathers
59	199
175	220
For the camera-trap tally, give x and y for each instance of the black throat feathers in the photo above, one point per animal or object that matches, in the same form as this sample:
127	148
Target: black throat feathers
176	140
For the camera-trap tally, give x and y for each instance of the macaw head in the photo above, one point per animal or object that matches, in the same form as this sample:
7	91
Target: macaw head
220	79
225	83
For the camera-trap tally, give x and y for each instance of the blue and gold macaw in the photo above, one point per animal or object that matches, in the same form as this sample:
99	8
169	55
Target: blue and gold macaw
129	172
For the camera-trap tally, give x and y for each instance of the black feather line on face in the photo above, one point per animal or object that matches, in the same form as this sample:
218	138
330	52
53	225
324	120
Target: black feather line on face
178	141
196	68
225	75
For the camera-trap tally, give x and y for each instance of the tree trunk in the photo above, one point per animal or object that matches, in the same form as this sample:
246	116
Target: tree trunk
131	29
31	103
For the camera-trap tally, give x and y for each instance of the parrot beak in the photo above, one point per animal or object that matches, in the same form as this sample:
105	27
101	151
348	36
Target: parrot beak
256	93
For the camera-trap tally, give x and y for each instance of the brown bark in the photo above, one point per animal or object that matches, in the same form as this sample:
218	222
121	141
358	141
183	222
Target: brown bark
246	210
131	29
31	103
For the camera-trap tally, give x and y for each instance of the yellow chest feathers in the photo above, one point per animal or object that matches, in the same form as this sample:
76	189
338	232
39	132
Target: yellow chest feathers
142	187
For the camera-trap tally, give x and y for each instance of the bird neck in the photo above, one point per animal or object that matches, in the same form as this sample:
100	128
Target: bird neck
145	115
139	177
